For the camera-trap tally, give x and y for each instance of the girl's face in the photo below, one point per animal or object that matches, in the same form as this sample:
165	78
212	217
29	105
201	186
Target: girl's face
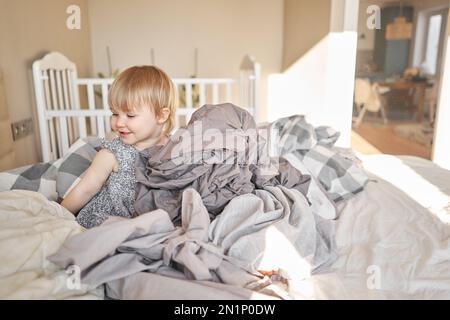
140	128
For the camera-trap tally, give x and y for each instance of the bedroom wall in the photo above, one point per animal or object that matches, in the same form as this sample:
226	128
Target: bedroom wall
28	30
306	22
222	30
7	154
320	83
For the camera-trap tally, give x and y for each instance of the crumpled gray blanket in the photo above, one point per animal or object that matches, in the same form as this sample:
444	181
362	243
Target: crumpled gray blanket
220	154
272	228
311	150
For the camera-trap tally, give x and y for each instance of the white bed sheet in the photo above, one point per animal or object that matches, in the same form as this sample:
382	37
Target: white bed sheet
393	238
32	228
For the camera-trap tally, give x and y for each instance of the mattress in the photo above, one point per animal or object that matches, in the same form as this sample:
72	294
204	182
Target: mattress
393	242
394	238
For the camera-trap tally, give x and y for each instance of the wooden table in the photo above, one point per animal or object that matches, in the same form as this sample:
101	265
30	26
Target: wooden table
418	86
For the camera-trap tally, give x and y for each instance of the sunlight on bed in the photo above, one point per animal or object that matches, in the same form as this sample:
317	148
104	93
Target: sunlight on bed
280	253
395	171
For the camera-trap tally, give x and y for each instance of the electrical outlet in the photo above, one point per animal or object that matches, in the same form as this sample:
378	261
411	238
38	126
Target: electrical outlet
22	128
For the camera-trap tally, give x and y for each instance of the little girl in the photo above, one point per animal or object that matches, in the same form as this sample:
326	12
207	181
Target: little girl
142	101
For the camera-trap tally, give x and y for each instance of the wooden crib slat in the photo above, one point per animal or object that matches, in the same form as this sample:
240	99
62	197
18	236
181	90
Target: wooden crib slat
81	123
63	134
53	146
228	92
63	105
107	124
244	85
67	104
105	105
91	104
52	90
188	95
49	127
100	126
57	153
202	94
75	105
70	121
215	93
59	90
252	93
105	96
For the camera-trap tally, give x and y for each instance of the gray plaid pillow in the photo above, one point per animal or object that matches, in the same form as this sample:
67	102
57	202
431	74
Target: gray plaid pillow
39	177
75	163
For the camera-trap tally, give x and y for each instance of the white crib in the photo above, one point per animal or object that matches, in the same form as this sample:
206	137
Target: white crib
69	107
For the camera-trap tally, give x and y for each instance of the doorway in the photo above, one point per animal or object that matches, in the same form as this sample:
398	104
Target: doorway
397	77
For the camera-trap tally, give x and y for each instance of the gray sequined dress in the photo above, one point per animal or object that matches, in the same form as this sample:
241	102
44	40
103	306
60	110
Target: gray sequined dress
116	198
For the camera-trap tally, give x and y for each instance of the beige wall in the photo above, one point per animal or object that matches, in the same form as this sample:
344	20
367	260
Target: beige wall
306	22
319	85
28	30
7	154
222	30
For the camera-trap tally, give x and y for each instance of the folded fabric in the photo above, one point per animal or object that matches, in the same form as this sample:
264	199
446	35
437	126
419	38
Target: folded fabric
273	228
220	154
313	152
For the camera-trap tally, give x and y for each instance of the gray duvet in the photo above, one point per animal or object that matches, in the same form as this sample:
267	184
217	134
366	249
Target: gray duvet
211	219
228	250
220	154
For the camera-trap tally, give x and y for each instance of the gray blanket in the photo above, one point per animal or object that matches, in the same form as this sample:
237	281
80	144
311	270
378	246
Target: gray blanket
227	250
313	152
220	153
334	174
260	218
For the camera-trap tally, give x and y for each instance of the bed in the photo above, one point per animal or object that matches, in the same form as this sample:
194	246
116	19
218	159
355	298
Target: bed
392	243
388	236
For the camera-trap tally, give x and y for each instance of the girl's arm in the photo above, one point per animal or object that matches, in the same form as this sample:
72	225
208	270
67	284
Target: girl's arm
96	175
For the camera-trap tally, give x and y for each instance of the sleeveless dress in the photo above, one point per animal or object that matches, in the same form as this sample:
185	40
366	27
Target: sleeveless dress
117	196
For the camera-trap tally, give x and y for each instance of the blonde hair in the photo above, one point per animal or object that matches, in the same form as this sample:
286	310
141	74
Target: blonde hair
144	86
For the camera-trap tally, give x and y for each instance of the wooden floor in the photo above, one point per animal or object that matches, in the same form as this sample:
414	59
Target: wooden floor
371	138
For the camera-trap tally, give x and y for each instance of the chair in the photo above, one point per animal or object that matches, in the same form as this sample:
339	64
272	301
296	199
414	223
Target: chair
368	97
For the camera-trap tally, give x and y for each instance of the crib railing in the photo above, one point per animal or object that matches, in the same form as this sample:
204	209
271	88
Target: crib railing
69	108
192	93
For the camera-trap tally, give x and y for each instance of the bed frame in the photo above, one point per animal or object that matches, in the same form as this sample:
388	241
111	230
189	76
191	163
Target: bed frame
69	108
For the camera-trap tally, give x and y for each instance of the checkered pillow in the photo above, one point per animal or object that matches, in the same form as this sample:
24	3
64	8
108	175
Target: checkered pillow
53	179
39	177
75	163
340	176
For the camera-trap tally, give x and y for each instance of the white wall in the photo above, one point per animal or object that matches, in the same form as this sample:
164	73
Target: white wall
441	145
222	30
320	83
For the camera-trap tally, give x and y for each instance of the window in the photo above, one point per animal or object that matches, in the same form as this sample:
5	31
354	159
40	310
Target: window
432	45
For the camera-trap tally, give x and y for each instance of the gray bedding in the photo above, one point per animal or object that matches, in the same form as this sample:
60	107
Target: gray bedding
218	227
227	250
208	216
220	154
